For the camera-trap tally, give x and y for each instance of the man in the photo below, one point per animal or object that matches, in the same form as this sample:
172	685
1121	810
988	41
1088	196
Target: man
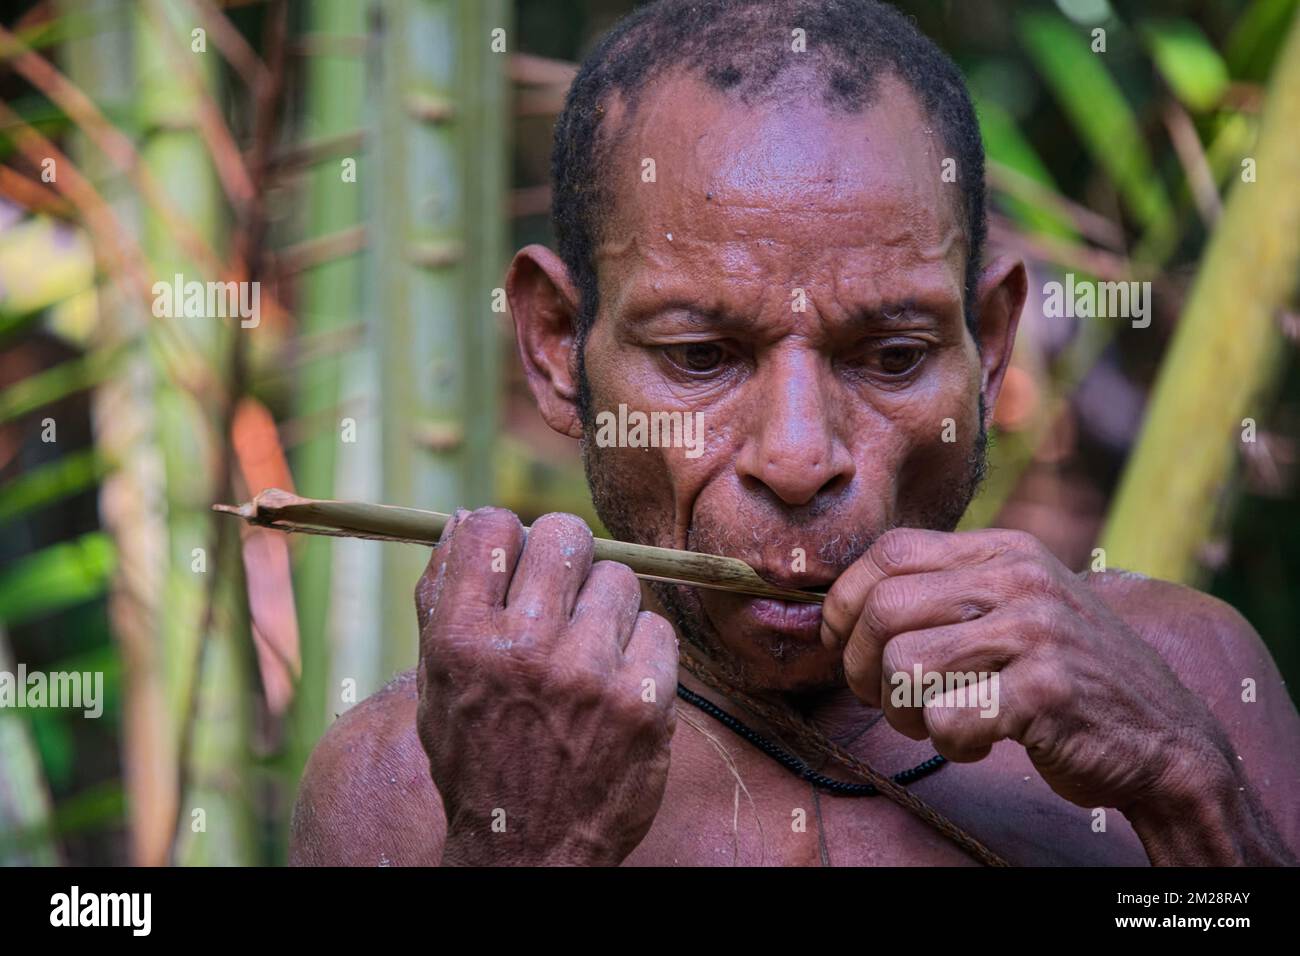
759	230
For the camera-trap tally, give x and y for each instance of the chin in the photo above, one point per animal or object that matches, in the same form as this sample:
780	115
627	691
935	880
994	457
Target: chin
773	645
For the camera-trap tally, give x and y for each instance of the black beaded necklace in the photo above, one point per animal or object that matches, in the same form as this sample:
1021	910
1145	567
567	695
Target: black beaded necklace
796	766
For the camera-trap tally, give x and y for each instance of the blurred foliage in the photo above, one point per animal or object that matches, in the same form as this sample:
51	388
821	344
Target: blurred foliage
1109	165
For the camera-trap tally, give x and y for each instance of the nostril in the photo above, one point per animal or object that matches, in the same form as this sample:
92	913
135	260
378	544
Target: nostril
811	467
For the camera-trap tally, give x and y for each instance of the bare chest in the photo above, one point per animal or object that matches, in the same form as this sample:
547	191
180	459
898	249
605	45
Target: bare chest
726	804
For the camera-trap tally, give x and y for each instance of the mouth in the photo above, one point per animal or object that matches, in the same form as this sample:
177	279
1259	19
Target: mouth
813	583
789	618
796	619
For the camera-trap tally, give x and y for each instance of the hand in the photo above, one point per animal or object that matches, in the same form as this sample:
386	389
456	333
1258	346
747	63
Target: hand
1102	717
546	697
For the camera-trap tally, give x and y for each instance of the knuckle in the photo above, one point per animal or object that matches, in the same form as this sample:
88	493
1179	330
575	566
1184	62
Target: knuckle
894	548
1031	574
899	655
492	518
486	526
619	578
657	626
835	611
956	735
1040	620
1050	687
884	602
635	711
858	671
1011	539
426	591
945	724
617	573
562	527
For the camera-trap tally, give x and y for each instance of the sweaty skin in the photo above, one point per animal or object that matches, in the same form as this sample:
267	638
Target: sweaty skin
540	725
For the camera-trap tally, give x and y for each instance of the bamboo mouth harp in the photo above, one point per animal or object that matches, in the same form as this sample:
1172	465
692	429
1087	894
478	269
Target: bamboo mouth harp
283	511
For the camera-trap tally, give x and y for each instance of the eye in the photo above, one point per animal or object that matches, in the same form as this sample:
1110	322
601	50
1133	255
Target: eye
899	359
696	356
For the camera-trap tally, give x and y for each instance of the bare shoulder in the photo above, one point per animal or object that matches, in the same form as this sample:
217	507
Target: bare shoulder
1204	640
366	797
1219	656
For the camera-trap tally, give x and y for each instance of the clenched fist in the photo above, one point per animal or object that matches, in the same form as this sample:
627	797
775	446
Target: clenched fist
546	696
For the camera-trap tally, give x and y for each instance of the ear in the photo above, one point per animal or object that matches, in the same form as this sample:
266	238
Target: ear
544	304
1001	298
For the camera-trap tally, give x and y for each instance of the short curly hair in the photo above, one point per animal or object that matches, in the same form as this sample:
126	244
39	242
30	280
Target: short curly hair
743	47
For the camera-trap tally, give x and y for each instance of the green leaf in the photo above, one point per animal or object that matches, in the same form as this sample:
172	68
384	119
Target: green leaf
1101	116
66	378
1253	44
56	745
56	577
1189	64
1004	143
50	482
99	806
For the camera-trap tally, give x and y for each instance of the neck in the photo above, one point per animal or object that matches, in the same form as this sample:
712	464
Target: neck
836	713
833	711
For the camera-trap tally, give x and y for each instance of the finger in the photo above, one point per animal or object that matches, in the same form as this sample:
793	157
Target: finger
430	583
552	568
605	611
481	555
964	722
843	603
919	668
901	691
913	602
651	656
902	551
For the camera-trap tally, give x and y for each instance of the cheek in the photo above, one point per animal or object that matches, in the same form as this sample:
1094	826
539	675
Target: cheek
654	469
942	433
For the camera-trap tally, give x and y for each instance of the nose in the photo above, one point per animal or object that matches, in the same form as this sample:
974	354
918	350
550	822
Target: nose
793	449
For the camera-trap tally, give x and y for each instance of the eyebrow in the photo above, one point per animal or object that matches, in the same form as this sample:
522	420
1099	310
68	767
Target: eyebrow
896	312
680	309
899	312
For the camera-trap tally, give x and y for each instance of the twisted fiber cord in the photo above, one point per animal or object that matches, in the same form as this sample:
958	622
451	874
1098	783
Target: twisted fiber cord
798	726
802	730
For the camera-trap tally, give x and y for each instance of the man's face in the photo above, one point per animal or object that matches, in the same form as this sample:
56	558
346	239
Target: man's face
796	277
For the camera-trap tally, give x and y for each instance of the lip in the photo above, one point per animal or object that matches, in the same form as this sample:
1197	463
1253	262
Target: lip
798	620
796	582
791	618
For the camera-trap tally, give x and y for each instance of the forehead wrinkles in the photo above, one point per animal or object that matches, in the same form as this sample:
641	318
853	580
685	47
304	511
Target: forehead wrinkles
755	275
775	189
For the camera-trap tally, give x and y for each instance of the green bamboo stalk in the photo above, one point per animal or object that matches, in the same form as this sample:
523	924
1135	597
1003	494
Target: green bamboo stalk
438	250
334	106
132	505
209	667
1224	358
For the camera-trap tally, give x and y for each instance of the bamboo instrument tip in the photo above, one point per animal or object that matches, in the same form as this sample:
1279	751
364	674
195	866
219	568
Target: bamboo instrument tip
270	500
